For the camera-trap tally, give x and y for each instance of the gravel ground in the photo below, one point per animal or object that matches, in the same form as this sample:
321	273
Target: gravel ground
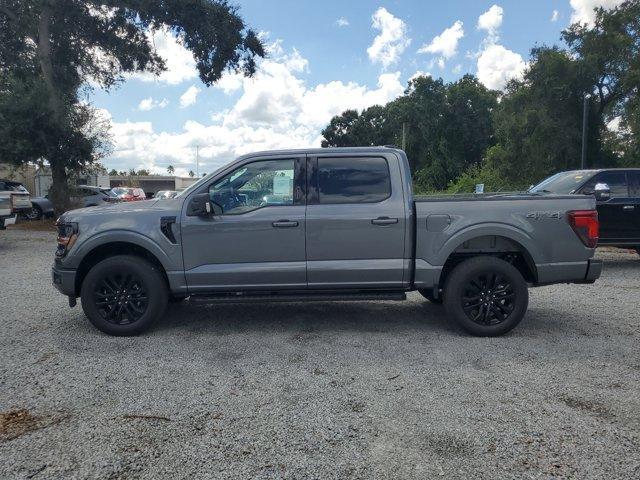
349	390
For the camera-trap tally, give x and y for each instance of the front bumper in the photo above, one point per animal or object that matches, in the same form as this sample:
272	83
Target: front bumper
4	221
64	281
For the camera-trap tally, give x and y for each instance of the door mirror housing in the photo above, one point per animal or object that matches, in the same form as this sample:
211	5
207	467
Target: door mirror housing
602	192
201	206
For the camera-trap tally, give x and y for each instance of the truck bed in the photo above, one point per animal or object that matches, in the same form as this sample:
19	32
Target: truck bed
522	222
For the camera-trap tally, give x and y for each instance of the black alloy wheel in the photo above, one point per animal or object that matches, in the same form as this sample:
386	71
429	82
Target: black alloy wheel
121	298
124	295
488	299
486	296
34	214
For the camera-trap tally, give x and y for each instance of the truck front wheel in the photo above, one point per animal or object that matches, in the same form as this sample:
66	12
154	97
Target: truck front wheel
486	296
124	295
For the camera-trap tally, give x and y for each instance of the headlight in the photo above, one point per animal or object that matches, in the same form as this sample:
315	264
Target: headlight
67	236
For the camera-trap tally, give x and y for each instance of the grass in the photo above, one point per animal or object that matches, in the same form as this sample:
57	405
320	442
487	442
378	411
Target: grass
42	225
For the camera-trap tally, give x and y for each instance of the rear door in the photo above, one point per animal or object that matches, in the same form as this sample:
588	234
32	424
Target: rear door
356	222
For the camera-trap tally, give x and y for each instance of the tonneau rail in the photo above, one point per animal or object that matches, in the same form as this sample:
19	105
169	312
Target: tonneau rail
459	197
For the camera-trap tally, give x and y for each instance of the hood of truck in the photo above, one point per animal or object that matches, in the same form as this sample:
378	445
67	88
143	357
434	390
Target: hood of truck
124	214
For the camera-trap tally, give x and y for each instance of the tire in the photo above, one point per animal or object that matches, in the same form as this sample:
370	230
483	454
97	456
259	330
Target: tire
127	278
428	294
475	279
34	214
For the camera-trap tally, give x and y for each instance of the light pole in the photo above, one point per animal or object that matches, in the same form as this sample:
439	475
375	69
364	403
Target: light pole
585	121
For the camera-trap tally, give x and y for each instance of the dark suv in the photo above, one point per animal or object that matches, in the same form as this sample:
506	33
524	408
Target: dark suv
617	192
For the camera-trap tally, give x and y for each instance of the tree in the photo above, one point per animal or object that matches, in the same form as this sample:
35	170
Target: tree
132	172
191	174
447	127
143	172
170	170
50	49
539	120
609	52
113	172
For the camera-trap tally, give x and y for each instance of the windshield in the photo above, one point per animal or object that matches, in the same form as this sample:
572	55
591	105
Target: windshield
563	182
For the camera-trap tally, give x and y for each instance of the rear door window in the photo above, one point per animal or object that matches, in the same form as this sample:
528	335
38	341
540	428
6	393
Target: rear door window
353	180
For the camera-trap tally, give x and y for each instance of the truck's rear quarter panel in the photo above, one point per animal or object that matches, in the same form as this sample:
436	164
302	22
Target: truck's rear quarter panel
538	224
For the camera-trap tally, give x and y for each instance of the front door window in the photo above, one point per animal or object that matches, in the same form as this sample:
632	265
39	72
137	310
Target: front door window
255	185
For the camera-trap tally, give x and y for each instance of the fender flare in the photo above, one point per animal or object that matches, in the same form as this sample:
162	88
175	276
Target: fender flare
510	232
123	236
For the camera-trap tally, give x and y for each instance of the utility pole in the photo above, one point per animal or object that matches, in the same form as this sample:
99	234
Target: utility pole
585	122
404	135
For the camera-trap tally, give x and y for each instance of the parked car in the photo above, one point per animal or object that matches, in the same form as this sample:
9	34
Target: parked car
82	195
323	224
14	200
127	194
166	194
617	193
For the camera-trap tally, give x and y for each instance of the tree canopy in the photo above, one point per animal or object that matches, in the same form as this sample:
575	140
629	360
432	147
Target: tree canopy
447	127
460	132
51	49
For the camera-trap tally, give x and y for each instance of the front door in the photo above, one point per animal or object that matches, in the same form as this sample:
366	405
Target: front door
616	213
355	222
259	240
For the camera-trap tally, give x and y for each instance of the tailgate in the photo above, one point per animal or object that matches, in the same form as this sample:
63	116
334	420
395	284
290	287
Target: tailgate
20	201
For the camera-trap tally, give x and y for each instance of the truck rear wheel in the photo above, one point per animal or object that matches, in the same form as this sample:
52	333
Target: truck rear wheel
124	295
486	296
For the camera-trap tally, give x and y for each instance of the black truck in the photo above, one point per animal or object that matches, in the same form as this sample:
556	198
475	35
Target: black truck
617	192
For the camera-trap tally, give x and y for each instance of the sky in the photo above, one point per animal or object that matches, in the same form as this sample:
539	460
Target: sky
323	58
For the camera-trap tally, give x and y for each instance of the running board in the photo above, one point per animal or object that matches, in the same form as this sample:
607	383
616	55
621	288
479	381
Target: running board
241	297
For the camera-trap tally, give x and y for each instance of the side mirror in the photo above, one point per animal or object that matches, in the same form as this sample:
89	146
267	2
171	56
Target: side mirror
201	206
602	192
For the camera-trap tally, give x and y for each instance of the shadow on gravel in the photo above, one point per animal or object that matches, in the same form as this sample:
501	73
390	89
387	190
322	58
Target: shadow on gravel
310	317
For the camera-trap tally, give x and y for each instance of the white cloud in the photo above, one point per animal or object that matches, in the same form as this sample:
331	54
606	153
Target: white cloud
418	74
179	61
342	22
276	109
497	65
147	104
555	15
189	97
388	45
457	69
491	21
446	44
583	9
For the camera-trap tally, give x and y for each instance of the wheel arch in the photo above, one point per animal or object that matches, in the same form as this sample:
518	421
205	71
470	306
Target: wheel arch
503	241
109	249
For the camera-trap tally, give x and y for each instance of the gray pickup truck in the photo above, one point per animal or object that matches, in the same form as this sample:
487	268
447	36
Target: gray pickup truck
328	225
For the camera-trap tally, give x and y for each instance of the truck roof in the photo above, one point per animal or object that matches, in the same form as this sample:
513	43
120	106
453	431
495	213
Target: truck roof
316	150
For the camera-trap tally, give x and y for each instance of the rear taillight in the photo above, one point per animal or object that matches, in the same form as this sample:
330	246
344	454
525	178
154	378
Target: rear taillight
585	224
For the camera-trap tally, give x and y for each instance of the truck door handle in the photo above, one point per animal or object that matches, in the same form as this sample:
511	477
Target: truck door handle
628	207
284	224
384	221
